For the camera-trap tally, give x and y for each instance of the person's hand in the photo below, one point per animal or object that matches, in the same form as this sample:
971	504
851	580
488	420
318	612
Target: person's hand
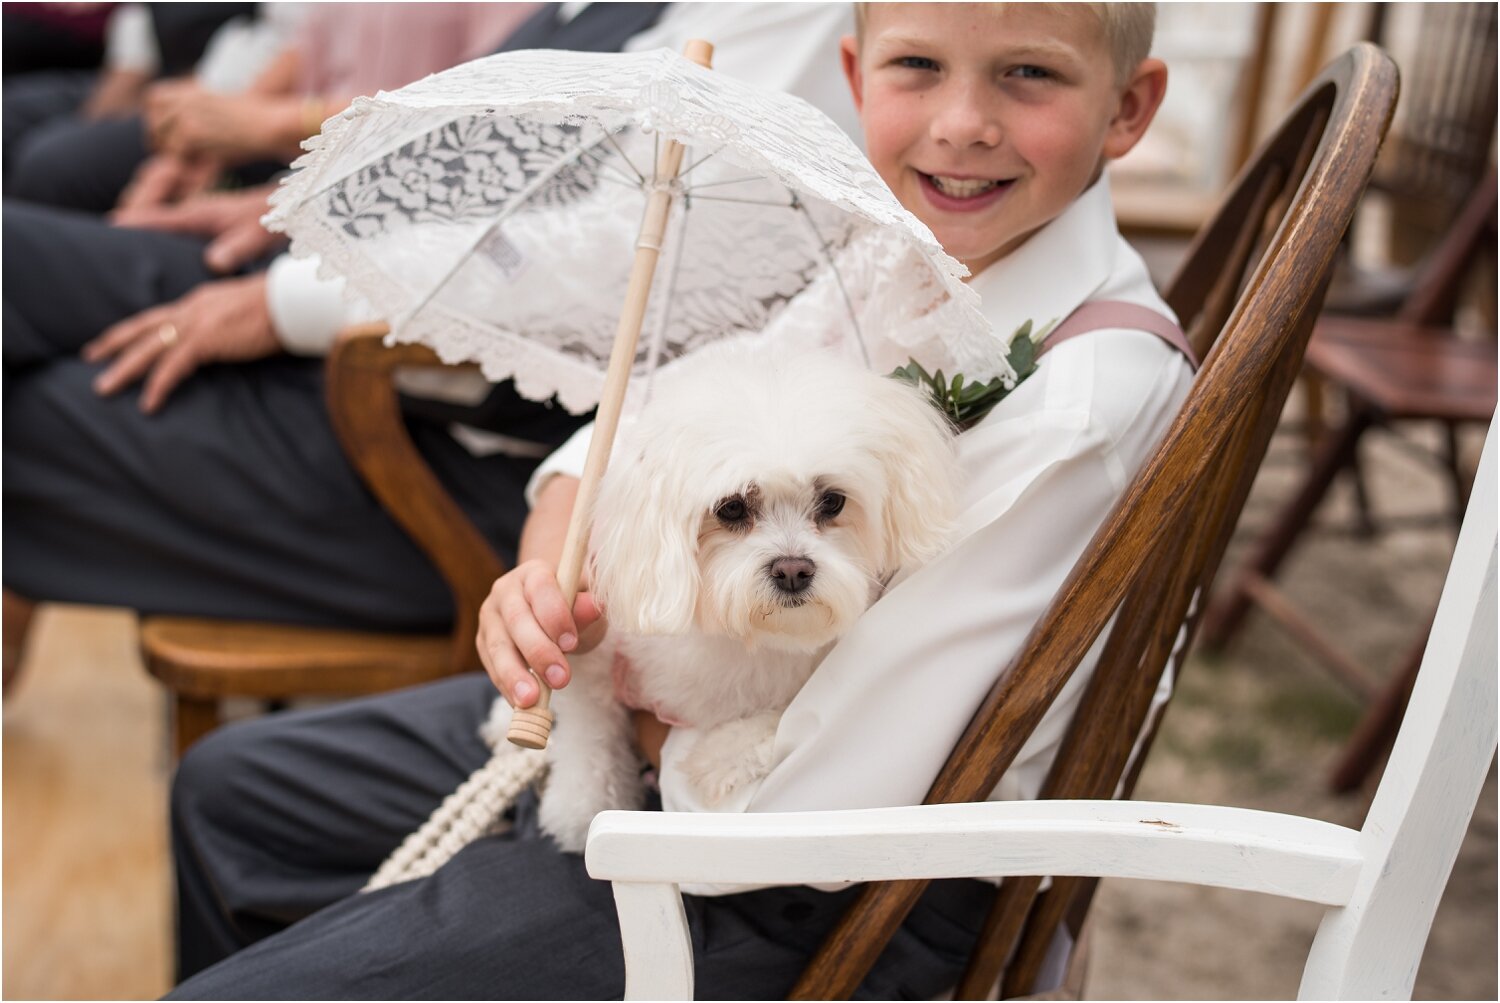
161	101
230	127
163	179
116	93
224	321
230	219
525	623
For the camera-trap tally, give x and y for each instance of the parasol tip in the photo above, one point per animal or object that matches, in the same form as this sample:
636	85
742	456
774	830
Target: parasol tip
530	727
699	51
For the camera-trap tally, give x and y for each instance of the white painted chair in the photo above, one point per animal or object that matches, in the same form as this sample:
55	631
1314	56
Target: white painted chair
1381	884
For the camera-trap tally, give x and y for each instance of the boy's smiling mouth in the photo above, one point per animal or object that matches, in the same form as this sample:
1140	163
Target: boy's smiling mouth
962	194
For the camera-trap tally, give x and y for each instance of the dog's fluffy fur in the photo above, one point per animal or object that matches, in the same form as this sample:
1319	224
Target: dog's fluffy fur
752	514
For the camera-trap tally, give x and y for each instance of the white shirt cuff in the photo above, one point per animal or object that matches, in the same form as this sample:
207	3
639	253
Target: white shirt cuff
566	459
130	41
307	312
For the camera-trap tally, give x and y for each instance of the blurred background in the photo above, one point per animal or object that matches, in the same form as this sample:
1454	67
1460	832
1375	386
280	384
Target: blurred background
1299	678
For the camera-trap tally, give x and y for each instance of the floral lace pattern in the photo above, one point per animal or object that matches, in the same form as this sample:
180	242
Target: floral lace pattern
491	212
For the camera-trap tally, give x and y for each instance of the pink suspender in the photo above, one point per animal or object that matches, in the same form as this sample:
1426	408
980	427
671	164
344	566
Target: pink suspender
1101	314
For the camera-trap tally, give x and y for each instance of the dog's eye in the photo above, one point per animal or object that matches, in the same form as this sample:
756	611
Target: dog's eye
830	505
732	512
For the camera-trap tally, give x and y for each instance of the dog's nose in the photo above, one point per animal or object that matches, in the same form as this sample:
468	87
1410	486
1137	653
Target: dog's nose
792	574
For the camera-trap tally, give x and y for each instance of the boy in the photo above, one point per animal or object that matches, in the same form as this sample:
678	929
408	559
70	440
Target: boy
992	123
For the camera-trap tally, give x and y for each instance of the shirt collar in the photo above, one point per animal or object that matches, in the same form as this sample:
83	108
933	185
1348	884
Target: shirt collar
1060	267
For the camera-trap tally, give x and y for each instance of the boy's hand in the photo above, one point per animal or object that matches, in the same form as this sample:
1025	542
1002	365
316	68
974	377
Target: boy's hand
524	624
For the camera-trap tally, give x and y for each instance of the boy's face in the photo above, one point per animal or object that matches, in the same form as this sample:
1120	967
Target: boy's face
988	120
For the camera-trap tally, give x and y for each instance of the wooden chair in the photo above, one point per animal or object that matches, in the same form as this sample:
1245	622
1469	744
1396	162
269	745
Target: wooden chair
1410	367
1249	291
202	661
1380	885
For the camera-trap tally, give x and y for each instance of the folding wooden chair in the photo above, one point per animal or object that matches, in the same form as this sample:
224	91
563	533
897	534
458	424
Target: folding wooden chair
1249	291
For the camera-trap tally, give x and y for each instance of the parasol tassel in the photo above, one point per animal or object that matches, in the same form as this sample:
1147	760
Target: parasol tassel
532	726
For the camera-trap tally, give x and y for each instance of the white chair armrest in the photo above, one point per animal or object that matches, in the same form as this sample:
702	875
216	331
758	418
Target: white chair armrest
1205	844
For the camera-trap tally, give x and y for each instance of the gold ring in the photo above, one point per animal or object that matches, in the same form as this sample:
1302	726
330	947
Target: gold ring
168	334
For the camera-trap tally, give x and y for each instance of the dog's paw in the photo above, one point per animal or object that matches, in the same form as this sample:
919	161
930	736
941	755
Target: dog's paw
575	792
728	757
566	820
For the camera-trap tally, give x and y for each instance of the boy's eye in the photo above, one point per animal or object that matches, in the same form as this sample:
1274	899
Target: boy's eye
1031	73
917	63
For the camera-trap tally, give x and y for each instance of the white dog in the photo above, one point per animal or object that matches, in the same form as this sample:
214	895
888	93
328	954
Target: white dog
758	506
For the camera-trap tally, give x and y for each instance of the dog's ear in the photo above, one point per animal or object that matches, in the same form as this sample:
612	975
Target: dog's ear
645	544
919	456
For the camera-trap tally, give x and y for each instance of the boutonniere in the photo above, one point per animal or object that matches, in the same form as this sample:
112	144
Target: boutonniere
965	404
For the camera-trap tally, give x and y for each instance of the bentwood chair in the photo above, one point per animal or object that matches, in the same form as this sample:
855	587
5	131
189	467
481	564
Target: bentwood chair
1248	294
1380	884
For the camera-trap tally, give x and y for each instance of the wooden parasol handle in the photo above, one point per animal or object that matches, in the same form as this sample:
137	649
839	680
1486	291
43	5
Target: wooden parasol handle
530	727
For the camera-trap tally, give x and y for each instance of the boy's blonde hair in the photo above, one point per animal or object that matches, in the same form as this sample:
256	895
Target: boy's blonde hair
1129	29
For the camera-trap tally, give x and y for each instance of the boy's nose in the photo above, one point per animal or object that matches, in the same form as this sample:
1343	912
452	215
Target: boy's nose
964	119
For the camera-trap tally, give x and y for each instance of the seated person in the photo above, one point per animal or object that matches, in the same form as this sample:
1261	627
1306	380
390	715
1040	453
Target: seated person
194	133
277	823
79	132
231	497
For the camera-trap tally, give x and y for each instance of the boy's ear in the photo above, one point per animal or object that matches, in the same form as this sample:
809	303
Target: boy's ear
1139	100
849	56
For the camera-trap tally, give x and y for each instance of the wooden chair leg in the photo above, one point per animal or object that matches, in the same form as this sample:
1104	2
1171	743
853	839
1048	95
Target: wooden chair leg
1458	483
192	718
18	611
1376	731
1334	453
1364	512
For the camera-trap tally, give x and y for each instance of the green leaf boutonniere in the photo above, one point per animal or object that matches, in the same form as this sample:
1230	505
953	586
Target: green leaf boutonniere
966	403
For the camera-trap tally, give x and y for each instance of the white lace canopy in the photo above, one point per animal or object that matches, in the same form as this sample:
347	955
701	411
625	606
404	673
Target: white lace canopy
491	212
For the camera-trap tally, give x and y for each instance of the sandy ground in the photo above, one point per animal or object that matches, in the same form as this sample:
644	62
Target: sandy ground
1261	725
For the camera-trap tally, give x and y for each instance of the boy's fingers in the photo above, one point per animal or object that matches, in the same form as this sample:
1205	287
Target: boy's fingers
540	652
545	598
586	610
503	664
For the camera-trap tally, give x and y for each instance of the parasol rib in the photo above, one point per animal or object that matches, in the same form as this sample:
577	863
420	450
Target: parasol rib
531	726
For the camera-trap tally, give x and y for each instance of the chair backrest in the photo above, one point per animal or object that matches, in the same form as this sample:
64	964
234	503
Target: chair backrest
1247	294
1440	279
1370	947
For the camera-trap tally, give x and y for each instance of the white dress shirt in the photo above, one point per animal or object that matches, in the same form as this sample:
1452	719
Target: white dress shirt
882	712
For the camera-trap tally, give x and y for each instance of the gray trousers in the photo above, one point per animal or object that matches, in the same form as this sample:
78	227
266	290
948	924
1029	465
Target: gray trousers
277	822
236	499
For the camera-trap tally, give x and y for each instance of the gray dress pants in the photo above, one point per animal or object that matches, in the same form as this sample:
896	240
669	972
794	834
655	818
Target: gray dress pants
277	822
235	500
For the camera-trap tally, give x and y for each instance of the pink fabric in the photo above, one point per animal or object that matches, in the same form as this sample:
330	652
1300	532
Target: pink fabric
359	48
1100	315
